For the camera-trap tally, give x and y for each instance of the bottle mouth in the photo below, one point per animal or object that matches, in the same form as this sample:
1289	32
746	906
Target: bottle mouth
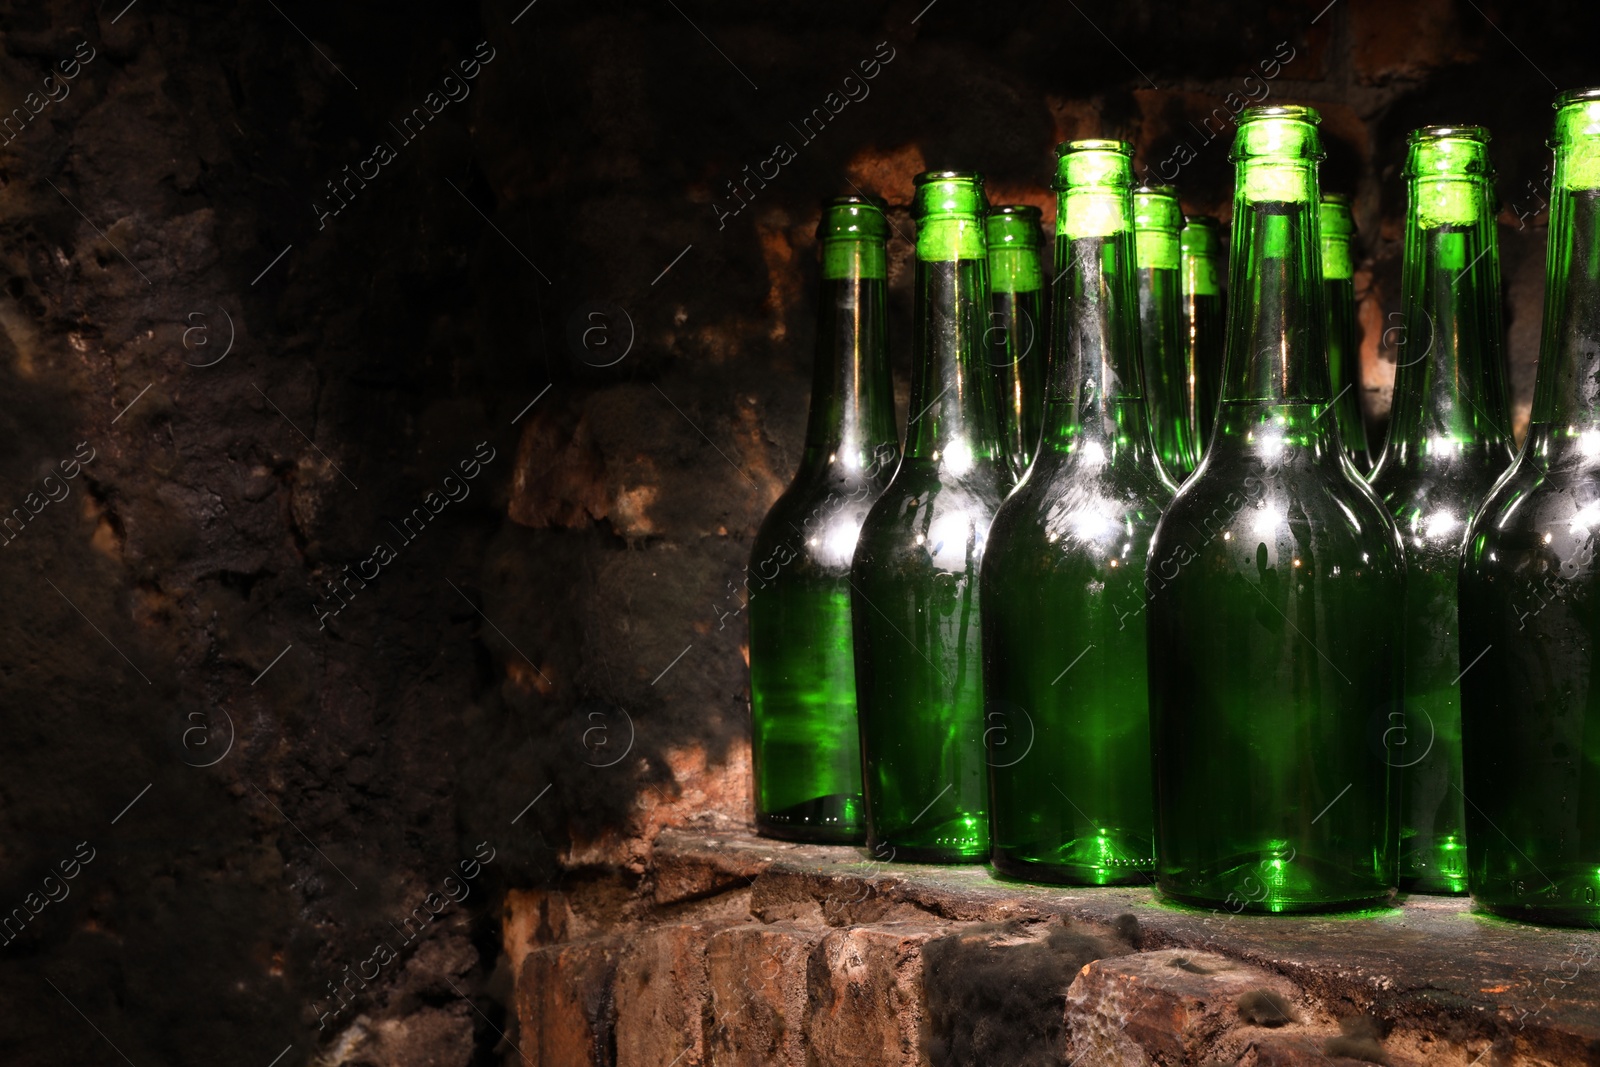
1014	226
853	218
1021	211
962	176
1576	139
1202	236
1095	145
1277	136
1091	163
1577	96
855	201
1454	133
1290	112
1335	218
948	193
1450	154
1156	208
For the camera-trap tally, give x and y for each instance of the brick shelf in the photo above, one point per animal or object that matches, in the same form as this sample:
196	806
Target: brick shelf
732	949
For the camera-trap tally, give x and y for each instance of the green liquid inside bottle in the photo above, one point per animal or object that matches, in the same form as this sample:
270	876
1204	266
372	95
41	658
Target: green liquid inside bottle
805	741
919	675
1448	443
1338	229
1530	592
1016	331
1203	279
1273	578
1066	709
1171	379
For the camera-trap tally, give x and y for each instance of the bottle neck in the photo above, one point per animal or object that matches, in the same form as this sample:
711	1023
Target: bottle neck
953	415
1095	400
1344	357
1276	331
852	399
1449	386
1566	404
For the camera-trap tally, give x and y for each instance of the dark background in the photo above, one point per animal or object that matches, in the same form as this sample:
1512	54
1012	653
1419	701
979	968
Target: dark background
568	635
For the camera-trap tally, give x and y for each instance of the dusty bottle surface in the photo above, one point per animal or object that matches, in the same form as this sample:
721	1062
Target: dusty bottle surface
805	741
919	672
1530	592
1062	589
1273	580
1448	442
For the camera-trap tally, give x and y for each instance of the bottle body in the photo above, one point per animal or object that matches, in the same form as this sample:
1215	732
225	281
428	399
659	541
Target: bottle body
1272	579
1344	336
805	740
1448	444
1065	683
1204	247
1171	377
1016	333
1530	594
915	573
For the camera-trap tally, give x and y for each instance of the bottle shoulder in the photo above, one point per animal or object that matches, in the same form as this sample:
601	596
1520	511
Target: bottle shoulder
817	518
929	515
1063	508
1536	519
1465	477
1309	508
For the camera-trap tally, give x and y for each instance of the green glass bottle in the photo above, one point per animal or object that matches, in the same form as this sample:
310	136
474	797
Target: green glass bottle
1062	590
1016	333
1170	379
1530	592
919	672
1448	443
1344	338
1203	278
1273	579
805	742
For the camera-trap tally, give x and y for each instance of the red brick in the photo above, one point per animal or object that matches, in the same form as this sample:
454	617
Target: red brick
661	994
563	1003
865	996
757	974
1168	1007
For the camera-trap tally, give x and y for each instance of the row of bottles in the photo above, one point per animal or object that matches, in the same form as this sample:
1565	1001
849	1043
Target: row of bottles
1021	641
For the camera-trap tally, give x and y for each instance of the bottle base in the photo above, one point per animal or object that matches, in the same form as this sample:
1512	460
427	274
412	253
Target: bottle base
1022	869
1586	916
1276	880
811	835
827	820
903	853
1278	907
960	838
1428	885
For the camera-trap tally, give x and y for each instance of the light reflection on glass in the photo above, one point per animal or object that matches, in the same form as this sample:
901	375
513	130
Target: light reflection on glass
1266	521
1443	446
1440	524
1586	519
957	456
840	544
947	539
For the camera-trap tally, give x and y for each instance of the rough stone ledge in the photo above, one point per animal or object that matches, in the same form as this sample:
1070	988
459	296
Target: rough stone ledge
734	949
